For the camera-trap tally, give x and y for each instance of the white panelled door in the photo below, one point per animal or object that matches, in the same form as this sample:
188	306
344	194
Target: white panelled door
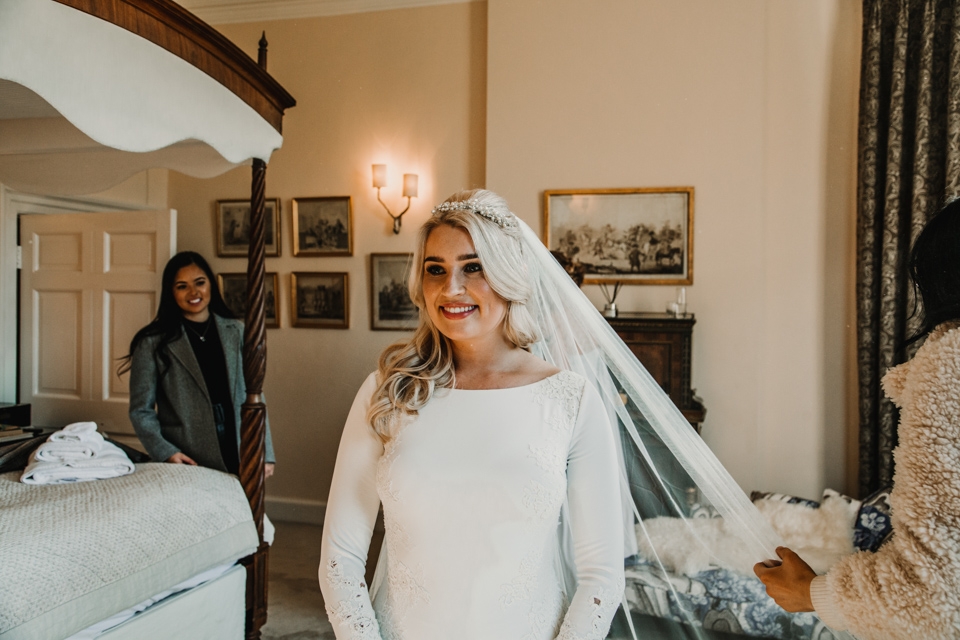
88	283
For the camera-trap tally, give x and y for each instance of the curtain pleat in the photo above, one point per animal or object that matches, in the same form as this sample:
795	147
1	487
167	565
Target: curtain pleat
909	165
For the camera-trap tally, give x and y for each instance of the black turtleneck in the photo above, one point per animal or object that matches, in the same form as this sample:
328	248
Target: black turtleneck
213	365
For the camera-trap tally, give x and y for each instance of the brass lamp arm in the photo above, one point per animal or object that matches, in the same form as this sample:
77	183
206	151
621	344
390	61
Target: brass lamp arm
396	218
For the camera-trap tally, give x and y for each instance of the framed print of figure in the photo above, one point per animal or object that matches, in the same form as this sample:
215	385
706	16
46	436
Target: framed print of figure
628	236
233	228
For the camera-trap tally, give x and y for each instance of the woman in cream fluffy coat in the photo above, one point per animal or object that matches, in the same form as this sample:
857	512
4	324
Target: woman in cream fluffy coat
909	588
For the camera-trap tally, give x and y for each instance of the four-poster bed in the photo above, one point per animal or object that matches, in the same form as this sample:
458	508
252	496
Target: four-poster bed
98	90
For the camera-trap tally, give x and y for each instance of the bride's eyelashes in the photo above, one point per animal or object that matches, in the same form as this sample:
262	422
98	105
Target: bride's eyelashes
437	270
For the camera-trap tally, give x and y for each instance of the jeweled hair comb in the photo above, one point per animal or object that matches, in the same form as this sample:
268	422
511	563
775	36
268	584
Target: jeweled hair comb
504	220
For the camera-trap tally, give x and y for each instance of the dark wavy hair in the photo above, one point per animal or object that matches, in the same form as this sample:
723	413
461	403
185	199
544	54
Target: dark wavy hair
935	270
168	321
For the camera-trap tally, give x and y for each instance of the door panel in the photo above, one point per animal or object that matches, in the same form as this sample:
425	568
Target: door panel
89	283
125	313
131	252
58	346
58	252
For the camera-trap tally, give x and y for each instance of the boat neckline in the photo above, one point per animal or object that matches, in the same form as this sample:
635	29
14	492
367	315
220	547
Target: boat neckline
523	386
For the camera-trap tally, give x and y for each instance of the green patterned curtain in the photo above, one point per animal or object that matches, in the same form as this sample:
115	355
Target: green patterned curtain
909	164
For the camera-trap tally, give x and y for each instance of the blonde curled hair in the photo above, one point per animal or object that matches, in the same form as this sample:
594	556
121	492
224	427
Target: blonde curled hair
411	370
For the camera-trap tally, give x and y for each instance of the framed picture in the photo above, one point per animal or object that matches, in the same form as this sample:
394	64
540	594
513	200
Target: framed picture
233	227
320	300
391	308
322	226
630	236
233	287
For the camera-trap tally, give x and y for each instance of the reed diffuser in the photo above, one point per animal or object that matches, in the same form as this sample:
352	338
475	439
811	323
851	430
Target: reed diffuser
610	310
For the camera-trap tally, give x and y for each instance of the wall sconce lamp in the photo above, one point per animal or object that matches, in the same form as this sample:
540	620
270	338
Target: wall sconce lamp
409	191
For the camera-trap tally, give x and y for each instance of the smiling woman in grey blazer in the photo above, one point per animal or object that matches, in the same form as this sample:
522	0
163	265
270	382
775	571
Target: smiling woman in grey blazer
186	373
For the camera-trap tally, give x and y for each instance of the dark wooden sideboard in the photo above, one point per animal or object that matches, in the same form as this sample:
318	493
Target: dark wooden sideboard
664	344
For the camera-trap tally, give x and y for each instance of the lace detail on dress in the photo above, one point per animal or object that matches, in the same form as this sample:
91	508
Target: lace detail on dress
394	534
353	611
546	613
390	627
385	487
544	502
567	389
406	587
550	454
522	587
548	458
543	497
603	604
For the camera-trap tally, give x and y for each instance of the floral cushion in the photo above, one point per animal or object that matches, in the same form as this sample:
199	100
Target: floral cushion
717	600
873	525
781	497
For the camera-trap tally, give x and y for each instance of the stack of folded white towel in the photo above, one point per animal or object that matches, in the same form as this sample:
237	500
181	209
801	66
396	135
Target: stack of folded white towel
76	453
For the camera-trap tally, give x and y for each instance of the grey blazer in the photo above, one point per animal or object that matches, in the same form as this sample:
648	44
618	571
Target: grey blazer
172	412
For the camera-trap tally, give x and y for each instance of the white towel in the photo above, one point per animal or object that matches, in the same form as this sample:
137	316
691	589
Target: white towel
77	432
110	462
61	450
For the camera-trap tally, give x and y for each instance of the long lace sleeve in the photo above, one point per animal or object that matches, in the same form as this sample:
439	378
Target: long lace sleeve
348	525
593	492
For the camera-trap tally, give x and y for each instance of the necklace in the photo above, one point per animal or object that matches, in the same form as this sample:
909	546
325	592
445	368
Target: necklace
202	336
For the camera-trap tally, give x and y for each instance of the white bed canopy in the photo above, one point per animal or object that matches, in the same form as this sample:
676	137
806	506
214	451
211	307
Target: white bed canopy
95	91
85	104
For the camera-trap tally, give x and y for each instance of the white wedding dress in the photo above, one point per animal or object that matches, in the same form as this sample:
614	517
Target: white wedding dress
472	492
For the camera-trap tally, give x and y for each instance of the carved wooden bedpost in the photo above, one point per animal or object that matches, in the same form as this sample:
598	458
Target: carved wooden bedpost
254	415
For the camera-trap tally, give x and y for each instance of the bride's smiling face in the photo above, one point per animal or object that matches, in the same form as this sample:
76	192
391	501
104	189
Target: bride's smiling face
458	298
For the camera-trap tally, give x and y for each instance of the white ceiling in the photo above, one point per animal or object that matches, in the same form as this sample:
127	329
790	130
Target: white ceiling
229	11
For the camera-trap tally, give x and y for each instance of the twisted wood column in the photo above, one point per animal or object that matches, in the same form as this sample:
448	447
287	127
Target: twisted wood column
253	423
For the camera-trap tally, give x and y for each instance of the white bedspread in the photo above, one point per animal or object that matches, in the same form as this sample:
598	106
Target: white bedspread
73	554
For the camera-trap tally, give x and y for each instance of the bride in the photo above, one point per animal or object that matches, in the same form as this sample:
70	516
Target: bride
492	439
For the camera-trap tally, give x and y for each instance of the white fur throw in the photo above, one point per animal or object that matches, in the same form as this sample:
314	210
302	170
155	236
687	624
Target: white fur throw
821	536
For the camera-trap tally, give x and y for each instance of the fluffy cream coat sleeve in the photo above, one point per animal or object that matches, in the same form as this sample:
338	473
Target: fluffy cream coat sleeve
910	588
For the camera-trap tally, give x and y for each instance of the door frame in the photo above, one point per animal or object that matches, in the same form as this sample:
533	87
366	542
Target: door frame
12	204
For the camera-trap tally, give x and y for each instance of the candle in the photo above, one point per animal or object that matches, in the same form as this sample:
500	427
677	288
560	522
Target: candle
379	175
410	185
682	296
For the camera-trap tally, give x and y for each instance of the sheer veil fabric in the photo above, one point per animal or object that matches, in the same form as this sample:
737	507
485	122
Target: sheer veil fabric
663	461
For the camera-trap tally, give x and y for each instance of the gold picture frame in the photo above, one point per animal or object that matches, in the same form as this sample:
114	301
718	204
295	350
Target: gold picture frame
323	226
320	299
233	228
233	288
638	235
391	308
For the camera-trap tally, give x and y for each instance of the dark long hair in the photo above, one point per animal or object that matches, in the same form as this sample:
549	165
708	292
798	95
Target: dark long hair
168	321
935	270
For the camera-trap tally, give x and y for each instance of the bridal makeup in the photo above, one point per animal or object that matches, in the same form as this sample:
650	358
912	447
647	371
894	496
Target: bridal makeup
458	298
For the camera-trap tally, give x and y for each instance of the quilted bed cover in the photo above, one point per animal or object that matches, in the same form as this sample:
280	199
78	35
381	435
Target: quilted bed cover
73	554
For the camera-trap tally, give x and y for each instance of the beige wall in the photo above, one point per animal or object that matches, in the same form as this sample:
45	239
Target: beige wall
404	87
751	102
754	104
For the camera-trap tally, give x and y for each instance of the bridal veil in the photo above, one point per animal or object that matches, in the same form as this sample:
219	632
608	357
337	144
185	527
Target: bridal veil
682	511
